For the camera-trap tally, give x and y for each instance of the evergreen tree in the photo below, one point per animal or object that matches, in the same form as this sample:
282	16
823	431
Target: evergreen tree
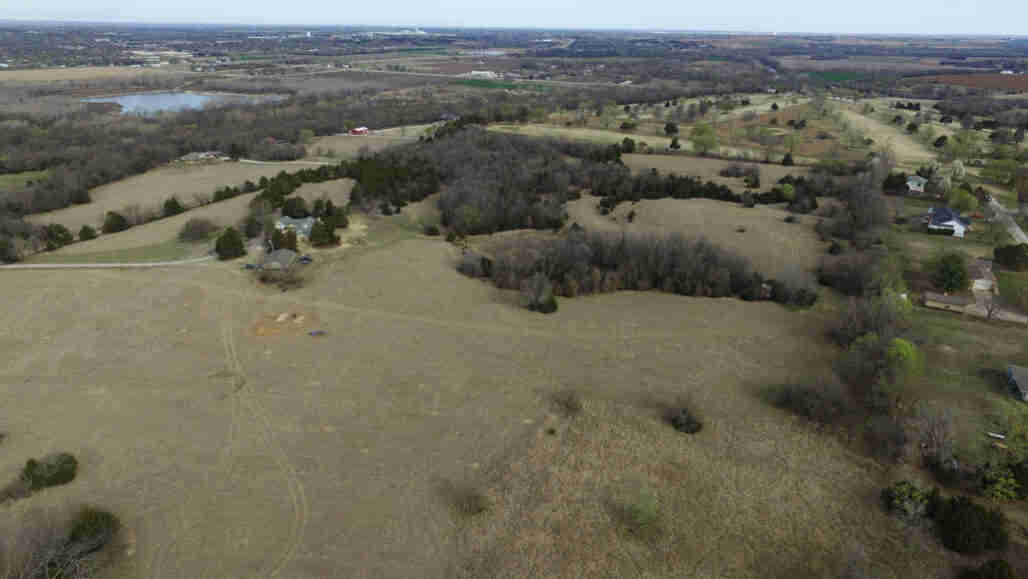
230	245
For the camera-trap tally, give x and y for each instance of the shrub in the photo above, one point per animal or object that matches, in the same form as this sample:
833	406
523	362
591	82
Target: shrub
172	207
91	530
538	294
568	402
465	499
197	229
951	273
825	402
252	226
51	470
230	245
790	219
295	207
906	500
323	234
885	436
451	236
56	235
683	420
788	160
87	233
1012	256
835	248
966	527
431	230
994	569
640	514
114	222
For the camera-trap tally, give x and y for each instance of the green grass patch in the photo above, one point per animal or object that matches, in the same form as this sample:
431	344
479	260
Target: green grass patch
13	181
1011	284
495	84
167	251
836	76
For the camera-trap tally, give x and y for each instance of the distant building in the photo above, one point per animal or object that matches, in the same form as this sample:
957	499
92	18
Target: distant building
302	227
360	131
916	183
1006	72
950	303
486	74
946	219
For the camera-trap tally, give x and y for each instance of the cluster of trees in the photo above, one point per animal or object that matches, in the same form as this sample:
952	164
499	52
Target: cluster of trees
616	184
582	263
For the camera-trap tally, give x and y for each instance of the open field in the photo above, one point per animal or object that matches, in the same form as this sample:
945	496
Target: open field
172	250
910	154
708	169
151	189
337	191
1018	82
774	247
15	181
347	146
43	75
582	134
230	450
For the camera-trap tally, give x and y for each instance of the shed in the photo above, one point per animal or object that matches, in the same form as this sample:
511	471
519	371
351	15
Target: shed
1017	377
950	303
360	131
984	280
916	183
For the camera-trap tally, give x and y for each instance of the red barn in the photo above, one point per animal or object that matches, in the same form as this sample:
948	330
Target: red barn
359	131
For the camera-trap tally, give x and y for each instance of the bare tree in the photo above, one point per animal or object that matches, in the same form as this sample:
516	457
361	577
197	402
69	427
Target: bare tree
993	305
936	429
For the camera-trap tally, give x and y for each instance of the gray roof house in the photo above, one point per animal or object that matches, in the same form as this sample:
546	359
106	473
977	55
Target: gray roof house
916	183
1017	376
279	259
302	227
946	219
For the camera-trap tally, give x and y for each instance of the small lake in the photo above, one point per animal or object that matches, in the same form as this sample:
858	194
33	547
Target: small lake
148	103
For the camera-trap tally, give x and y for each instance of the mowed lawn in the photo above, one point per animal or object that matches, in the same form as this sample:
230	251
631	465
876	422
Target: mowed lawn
230	450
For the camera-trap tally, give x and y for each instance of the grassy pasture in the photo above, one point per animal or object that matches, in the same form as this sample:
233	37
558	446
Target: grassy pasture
168	251
151	189
15	181
348	147
42	75
909	152
708	169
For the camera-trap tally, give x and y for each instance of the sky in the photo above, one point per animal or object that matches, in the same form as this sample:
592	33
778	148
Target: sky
1002	17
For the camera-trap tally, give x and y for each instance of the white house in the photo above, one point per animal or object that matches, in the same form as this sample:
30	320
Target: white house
945	219
916	183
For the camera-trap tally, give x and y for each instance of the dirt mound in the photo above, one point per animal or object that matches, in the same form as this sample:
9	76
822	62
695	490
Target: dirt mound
277	324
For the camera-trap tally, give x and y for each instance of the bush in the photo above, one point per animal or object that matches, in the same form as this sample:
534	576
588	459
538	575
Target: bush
114	222
230	245
451	236
197	229
788	160
640	514
906	500
835	248
538	293
431	230
172	207
87	233
295	207
1013	257
994	569
966	527
885	436
568	402
51	470
464	498
56	235
323	234
252	226
824	403
790	219
91	530
683	420
951	273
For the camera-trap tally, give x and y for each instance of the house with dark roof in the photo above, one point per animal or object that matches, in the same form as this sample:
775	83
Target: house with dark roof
1017	377
302	227
945	219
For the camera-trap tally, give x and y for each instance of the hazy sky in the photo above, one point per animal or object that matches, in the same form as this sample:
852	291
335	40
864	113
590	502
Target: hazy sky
867	16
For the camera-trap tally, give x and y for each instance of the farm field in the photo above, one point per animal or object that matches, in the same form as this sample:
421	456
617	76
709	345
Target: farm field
232	446
151	189
774	247
709	169
43	75
1016	82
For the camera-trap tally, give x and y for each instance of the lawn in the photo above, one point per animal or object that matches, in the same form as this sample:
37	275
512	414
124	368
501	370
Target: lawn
1012	284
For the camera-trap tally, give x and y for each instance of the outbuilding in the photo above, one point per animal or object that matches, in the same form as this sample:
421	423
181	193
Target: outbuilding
1017	377
950	303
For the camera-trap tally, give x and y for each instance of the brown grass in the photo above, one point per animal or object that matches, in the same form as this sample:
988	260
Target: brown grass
708	169
1016	82
41	75
348	147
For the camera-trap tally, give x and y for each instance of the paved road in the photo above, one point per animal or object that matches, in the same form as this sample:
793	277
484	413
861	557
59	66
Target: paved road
124	265
1012	227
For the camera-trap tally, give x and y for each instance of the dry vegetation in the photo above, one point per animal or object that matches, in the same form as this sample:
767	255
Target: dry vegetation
151	189
347	146
1016	82
909	153
709	169
775	247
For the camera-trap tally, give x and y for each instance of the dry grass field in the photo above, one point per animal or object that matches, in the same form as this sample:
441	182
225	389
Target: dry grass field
708	169
348	147
910	154
1016	82
151	189
44	75
230	450
775	248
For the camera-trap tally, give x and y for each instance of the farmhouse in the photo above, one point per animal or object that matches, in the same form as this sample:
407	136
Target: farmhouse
302	227
360	131
945	219
950	303
984	280
915	184
1017	377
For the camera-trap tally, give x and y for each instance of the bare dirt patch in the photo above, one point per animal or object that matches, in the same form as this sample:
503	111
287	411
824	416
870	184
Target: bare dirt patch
284	323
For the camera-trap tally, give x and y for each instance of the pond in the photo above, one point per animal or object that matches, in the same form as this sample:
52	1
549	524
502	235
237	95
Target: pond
148	103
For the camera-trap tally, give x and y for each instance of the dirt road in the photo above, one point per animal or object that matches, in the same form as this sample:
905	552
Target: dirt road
1012	227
